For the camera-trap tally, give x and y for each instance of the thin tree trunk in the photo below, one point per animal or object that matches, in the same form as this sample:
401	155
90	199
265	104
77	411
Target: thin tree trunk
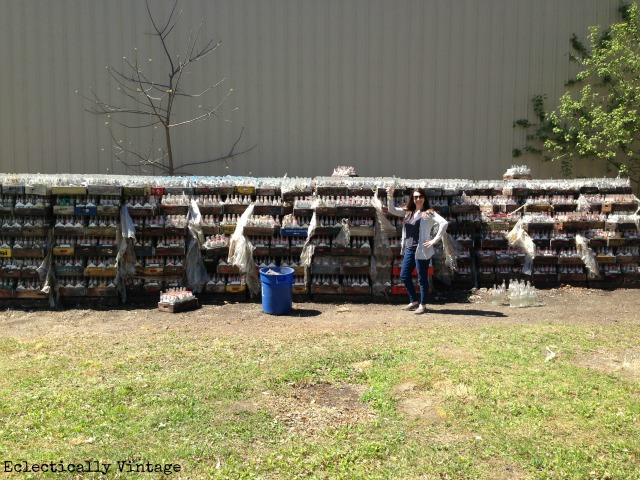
169	152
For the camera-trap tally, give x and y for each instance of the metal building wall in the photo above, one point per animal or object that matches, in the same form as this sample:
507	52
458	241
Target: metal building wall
412	88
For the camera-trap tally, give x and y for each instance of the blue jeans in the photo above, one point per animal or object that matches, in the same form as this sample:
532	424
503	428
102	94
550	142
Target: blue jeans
408	264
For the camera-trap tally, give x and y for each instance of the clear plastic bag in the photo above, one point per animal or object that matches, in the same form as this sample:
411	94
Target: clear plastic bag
587	256
126	256
47	276
243	258
583	204
386	228
518	237
306	256
241	253
309	248
196	272
450	250
382	257
344	237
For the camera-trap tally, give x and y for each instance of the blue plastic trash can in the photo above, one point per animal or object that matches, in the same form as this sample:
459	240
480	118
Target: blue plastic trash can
276	290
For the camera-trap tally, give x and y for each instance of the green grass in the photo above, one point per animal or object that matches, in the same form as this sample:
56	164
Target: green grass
170	398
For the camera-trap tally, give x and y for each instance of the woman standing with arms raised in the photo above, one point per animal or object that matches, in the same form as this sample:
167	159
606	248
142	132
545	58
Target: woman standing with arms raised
417	244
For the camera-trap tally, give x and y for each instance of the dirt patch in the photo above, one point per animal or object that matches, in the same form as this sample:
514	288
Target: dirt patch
221	318
624	363
309	409
426	406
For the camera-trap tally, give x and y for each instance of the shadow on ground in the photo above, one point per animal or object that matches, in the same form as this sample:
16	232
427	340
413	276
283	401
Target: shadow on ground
303	312
468	313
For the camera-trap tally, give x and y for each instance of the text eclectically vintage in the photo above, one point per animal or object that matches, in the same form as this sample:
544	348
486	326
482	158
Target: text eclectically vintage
89	466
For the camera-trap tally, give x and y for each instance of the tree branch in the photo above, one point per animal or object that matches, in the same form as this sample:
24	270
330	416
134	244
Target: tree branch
159	33
229	155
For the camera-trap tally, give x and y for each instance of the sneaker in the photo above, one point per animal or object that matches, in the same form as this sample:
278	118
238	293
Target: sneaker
420	310
411	306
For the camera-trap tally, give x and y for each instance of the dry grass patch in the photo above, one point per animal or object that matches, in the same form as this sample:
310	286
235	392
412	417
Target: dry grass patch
625	363
447	389
310	409
423	407
362	366
501	469
416	404
458	354
403	388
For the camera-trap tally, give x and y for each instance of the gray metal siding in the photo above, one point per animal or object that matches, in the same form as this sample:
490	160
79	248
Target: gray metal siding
415	88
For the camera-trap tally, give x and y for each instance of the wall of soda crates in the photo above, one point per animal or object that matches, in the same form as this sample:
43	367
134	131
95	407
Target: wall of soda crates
78	225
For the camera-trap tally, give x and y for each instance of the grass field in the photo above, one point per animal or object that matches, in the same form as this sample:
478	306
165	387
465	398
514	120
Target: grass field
448	402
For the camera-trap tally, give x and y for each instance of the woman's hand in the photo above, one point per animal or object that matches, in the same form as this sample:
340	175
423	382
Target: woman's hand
427	213
428	243
390	192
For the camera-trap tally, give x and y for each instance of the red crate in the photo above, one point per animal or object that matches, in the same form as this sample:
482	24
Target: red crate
396	271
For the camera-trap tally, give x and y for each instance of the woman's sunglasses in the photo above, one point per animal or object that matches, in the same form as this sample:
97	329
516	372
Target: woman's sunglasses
418	197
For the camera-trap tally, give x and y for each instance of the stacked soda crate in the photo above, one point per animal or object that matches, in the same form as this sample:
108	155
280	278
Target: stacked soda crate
292	237
210	201
341	265
615	239
496	260
83	221
25	220
160	217
220	220
260	228
556	219
476	260
84	250
394	286
275	245
480	219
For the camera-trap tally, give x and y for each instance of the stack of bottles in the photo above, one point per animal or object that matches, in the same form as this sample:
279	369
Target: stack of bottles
176	295
522	294
498	294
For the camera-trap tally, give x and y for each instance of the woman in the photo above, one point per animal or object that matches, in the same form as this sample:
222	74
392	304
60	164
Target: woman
417	244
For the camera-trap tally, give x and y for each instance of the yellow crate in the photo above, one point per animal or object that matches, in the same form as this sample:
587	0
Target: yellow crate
69	190
228	229
235	288
100	271
245	190
63	251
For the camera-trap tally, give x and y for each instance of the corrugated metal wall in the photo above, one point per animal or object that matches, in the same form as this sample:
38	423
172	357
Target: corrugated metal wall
415	88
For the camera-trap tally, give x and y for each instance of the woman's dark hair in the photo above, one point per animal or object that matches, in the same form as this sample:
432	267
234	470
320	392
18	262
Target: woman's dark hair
411	205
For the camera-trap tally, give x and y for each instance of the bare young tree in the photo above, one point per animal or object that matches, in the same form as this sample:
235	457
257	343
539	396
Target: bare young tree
148	103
